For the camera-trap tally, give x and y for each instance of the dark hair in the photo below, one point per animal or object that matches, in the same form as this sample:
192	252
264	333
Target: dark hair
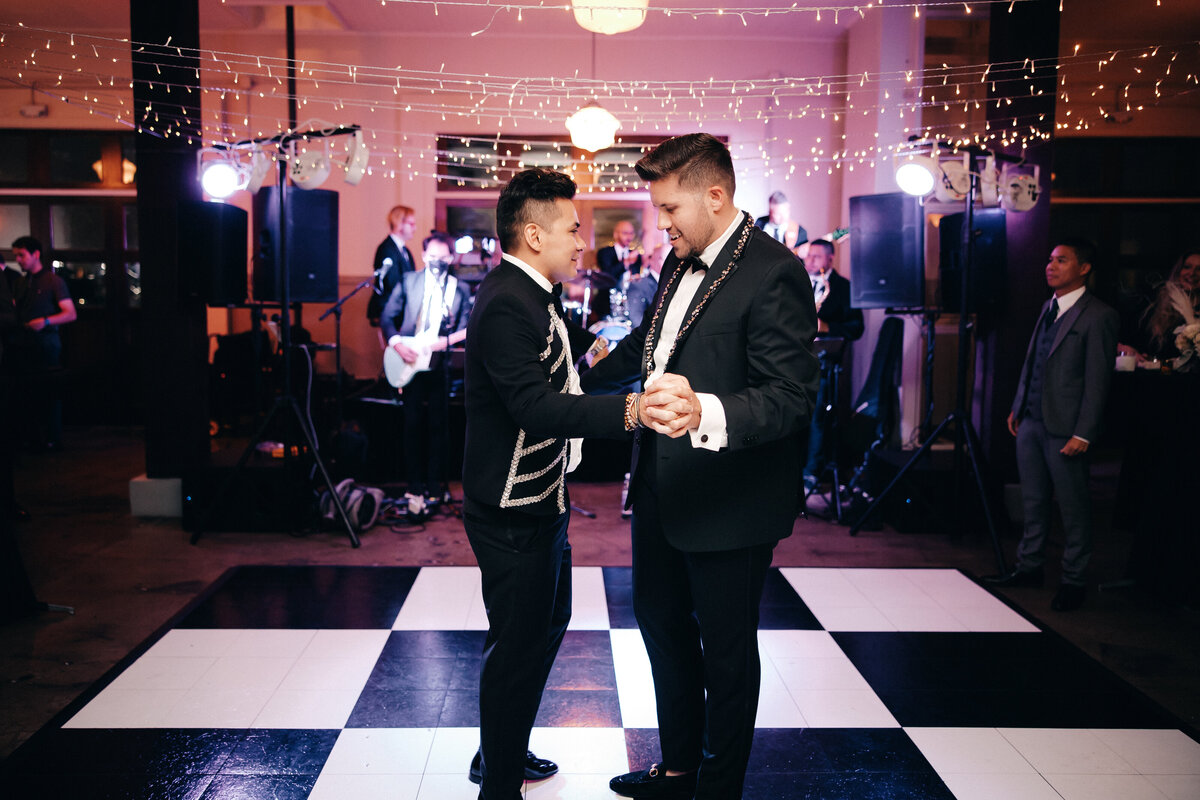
438	236
777	198
699	160
1085	251
828	245
528	197
27	243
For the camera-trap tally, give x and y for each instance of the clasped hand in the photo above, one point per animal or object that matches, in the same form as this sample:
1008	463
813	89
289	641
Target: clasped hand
669	406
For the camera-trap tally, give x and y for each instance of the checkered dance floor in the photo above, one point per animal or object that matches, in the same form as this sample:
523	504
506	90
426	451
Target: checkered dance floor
362	682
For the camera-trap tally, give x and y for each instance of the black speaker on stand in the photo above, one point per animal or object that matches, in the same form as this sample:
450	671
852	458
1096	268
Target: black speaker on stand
212	252
887	253
311	228
987	273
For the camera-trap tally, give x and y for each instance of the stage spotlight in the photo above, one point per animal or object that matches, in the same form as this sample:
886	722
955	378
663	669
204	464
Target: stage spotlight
309	169
260	167
955	182
222	178
1020	191
917	175
464	245
356	163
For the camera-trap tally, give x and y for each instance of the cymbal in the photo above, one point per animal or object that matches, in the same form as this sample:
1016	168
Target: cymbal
594	278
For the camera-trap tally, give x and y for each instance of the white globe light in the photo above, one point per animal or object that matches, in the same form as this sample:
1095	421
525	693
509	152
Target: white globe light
221	179
609	16
915	176
592	128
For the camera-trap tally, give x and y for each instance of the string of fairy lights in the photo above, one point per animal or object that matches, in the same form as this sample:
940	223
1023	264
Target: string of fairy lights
946	102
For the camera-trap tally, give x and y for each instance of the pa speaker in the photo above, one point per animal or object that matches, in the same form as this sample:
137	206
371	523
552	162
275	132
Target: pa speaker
988	260
887	253
309	235
212	252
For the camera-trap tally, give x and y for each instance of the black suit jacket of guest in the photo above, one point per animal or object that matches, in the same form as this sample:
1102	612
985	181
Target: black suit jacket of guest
836	312
509	395
607	261
401	262
751	346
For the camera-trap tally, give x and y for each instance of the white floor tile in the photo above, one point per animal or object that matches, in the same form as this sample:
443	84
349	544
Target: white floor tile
931	618
1064	751
583	751
381	751
1155	752
327	709
447	787
452	751
589	603
217	708
323	674
1105	787
446	598
995	618
571	787
776	707
993	786
970	751
1177	787
816	674
844	709
117	708
271	643
797	644
366	787
236	672
635	685
149	672
194	642
853	619
360	644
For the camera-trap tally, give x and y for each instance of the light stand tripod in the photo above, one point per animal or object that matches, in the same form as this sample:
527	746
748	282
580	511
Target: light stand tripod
965	437
286	400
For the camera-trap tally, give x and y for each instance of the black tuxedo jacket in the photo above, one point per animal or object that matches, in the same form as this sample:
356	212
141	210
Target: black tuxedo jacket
607	261
519	415
751	346
402	261
836	312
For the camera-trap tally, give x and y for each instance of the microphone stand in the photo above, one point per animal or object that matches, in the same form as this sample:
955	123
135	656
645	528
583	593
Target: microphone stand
336	309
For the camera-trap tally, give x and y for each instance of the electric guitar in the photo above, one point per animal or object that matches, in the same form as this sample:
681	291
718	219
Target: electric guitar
399	372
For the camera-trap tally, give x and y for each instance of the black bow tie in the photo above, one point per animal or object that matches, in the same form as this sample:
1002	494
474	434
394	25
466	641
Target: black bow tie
694	262
557	290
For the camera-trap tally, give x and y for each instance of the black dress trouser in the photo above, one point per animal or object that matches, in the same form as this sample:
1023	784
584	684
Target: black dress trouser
525	561
698	614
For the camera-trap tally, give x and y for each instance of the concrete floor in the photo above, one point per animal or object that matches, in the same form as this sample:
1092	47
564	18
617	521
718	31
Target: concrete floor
126	577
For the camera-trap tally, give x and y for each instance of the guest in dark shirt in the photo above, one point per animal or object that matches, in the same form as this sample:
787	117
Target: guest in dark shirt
43	304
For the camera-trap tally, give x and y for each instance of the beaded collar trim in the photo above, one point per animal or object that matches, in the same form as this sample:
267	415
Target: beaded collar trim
655	322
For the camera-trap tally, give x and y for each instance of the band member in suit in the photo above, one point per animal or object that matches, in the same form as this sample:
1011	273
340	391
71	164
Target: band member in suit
835	317
429	304
523	402
392	259
778	222
1056	415
620	257
734	319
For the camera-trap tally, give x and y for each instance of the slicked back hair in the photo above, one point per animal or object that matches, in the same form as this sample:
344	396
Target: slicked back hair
698	160
529	197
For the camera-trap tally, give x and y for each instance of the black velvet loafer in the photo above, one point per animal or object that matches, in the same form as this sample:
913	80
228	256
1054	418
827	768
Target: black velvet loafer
654	783
536	769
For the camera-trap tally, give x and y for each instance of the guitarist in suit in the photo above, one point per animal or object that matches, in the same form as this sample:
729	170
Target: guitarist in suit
392	259
424	316
730	334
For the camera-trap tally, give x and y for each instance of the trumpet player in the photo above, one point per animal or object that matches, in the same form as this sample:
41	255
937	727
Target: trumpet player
621	256
835	318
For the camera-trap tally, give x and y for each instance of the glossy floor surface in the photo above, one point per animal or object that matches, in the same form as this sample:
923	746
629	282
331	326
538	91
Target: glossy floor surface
338	682
876	685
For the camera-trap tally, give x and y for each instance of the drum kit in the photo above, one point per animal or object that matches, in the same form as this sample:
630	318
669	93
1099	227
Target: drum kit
580	304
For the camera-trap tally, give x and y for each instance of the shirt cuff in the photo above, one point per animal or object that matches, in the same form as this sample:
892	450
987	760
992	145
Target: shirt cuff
1080	438
711	435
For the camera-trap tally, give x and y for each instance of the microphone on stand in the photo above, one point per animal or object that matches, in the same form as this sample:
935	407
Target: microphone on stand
377	286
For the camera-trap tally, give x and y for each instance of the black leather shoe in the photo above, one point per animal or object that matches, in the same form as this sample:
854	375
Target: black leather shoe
654	783
1033	577
536	769
1069	597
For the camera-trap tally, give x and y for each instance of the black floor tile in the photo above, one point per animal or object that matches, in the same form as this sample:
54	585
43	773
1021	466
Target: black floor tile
582	673
427	674
845	786
788	750
397	708
460	709
104	786
643	747
579	709
260	787
165	751
782	609
281	752
618	590
305	597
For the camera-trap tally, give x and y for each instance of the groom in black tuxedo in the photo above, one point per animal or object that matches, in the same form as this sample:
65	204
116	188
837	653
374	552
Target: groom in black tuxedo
715	489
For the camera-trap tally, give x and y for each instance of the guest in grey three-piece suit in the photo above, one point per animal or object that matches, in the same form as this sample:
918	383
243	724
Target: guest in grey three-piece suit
1056	416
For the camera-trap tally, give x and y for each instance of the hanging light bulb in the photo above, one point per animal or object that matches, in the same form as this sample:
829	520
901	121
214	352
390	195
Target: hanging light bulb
609	16
593	128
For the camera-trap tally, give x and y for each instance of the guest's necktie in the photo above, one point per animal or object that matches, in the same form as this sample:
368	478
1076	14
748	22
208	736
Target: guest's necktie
1052	314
